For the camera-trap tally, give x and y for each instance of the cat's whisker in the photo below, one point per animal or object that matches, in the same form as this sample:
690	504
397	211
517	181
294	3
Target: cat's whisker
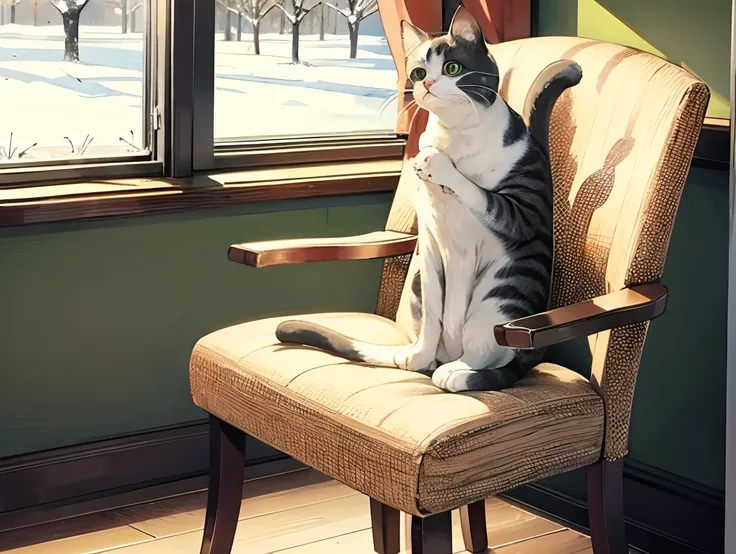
386	103
407	107
478	86
483	99
465	98
479	73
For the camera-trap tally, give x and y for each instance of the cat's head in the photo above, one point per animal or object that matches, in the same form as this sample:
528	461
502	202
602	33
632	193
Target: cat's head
453	75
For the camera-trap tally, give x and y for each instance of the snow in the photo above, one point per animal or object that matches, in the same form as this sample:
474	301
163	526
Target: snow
45	99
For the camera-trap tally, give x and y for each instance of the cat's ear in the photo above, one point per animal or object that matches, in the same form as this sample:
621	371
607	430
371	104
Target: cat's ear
465	27
412	37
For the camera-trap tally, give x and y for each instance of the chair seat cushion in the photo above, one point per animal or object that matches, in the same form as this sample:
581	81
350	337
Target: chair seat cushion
390	433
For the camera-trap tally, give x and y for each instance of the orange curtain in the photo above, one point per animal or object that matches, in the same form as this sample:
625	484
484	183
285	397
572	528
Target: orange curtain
427	15
501	20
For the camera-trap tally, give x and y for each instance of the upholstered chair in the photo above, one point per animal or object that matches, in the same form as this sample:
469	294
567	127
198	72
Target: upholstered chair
621	146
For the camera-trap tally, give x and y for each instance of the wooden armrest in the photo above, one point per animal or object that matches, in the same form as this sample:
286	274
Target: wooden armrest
381	244
625	307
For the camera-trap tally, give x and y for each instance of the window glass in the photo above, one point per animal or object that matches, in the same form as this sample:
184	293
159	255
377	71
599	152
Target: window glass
71	79
299	67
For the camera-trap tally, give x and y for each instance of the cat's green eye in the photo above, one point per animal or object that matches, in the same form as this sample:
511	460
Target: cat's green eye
418	74
453	68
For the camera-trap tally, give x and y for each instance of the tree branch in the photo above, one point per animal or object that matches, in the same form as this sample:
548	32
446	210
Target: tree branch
264	14
344	13
305	13
290	17
227	7
367	15
58	8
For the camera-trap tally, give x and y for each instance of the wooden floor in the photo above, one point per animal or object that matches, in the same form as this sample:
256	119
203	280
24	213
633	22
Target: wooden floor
301	512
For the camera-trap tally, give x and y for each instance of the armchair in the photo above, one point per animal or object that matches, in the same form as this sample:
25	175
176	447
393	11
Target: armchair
622	142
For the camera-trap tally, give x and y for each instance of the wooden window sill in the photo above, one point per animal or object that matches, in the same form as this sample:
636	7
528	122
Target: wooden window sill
126	197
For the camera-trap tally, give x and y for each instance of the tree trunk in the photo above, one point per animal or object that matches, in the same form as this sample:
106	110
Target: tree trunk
239	32
257	36
71	34
322	22
228	22
12	12
282	23
295	42
354	28
124	15
133	18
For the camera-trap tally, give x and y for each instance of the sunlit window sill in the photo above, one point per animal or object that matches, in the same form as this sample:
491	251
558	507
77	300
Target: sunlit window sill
86	200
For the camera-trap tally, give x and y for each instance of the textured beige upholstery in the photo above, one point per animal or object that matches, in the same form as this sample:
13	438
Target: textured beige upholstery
621	145
390	433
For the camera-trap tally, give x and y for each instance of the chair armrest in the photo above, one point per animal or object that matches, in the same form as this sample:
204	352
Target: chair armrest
617	309
381	244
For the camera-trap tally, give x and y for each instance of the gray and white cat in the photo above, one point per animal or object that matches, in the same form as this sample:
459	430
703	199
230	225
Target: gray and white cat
484	215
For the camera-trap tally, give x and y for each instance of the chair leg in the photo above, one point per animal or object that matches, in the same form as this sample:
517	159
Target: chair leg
227	460
473	523
386	532
429	535
606	507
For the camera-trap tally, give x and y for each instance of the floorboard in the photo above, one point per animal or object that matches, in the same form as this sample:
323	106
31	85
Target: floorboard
301	512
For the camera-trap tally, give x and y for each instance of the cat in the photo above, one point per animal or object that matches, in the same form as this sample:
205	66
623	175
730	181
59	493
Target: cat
484	214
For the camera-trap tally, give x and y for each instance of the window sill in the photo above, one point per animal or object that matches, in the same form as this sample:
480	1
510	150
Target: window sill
88	200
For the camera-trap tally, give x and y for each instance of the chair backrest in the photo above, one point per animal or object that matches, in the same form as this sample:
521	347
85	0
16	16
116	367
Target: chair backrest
621	146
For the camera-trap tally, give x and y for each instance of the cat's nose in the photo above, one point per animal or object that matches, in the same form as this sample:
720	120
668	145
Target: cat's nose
428	83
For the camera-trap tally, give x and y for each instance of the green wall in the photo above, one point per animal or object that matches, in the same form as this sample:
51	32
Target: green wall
98	319
693	33
678	421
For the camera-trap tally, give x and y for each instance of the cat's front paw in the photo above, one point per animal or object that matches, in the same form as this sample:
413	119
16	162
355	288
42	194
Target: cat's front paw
434	166
452	377
415	358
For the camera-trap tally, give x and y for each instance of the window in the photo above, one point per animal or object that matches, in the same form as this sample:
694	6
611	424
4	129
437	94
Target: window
301	68
73	81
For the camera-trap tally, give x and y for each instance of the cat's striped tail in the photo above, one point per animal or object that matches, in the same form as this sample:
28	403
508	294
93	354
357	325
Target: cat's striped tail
312	334
547	88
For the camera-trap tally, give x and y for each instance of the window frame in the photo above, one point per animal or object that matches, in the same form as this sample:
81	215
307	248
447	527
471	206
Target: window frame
180	37
251	153
134	165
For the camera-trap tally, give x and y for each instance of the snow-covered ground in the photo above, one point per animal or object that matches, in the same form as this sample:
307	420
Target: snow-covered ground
43	99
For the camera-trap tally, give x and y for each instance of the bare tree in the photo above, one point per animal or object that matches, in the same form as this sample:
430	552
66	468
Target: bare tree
357	11
12	4
322	22
127	13
70	11
297	15
254	11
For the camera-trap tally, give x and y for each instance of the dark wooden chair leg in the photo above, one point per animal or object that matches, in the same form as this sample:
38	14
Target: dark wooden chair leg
606	507
386	528
473	523
429	535
227	461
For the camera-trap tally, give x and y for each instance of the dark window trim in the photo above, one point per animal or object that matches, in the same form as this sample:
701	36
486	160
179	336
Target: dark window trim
713	148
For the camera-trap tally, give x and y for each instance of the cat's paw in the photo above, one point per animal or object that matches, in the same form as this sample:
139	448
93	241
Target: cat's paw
452	377
434	166
415	358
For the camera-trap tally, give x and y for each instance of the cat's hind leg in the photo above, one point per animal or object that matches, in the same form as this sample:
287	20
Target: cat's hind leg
484	365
